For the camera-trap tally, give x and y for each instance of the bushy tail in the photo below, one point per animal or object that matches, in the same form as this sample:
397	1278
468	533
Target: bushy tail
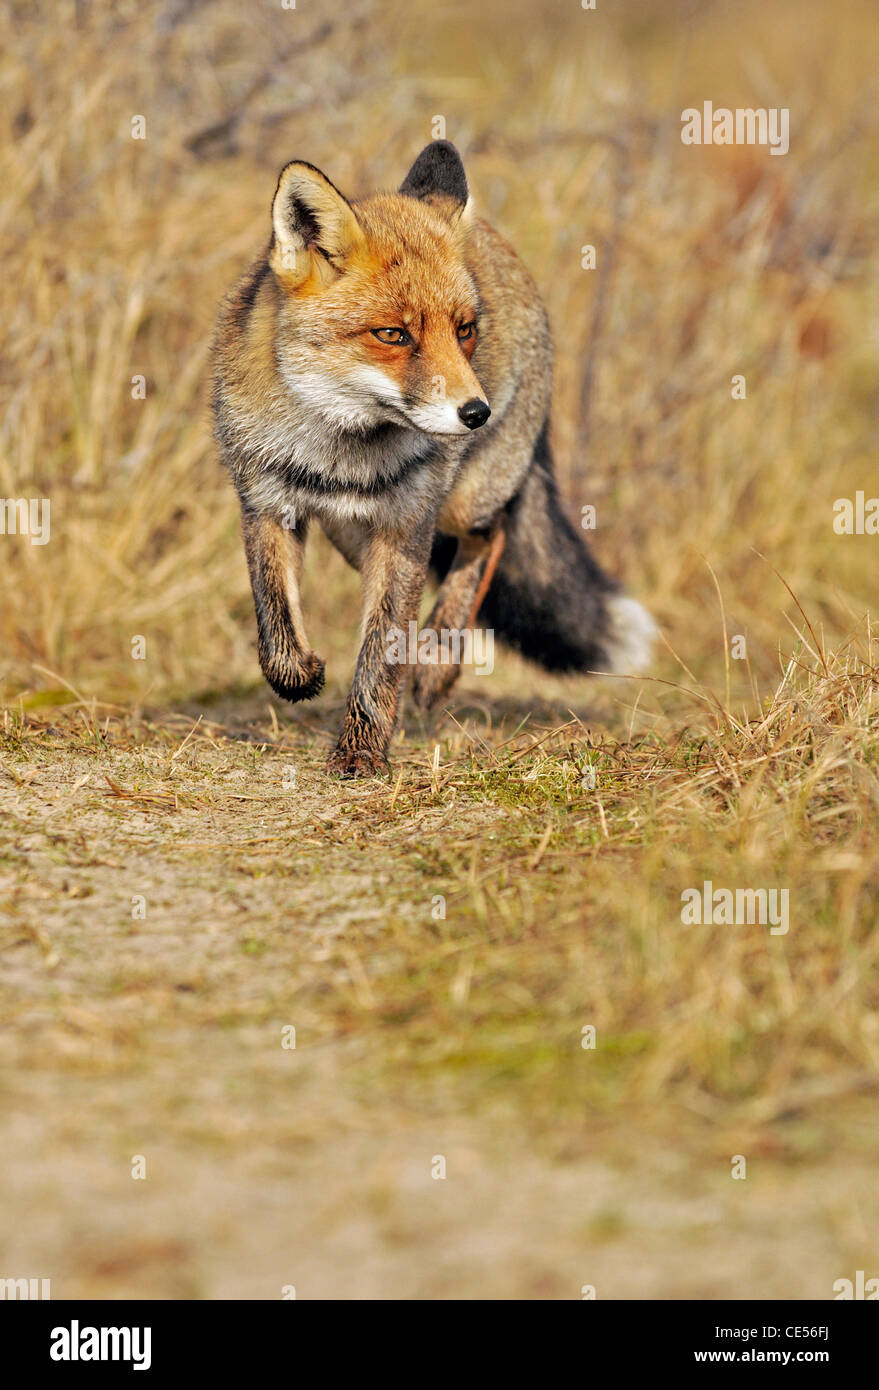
549	599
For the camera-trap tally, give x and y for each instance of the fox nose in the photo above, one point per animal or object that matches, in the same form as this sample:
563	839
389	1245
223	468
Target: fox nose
473	413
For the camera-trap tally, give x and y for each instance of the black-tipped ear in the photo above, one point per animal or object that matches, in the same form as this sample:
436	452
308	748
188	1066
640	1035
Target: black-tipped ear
437	173
315	229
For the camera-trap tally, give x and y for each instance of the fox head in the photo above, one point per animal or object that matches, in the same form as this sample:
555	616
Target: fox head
378	314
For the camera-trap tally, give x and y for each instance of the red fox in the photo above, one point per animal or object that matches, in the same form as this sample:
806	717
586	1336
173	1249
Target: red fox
385	369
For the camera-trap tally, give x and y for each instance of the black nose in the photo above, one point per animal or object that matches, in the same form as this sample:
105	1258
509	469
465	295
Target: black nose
473	413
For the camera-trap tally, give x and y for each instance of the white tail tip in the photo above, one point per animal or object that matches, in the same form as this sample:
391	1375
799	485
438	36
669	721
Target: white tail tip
630	639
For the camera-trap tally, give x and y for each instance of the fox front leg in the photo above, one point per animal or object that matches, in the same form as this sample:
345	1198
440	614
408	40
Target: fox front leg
274	559
456	610
394	574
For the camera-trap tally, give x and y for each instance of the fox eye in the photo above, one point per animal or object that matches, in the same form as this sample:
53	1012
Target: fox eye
465	331
397	336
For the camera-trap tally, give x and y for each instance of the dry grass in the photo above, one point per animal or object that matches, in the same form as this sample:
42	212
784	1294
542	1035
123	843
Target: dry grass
313	903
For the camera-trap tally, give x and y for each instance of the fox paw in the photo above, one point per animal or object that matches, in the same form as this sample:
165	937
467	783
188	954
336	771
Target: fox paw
294	679
356	762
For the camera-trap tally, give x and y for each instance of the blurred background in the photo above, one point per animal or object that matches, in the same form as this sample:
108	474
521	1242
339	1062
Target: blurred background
710	262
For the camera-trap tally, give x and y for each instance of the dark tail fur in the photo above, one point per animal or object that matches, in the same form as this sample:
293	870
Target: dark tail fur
549	599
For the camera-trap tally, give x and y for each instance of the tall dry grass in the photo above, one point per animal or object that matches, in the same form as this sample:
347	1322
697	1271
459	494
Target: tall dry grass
710	262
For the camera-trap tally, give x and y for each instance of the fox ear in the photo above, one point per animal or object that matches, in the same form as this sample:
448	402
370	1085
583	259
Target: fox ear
315	229
437	177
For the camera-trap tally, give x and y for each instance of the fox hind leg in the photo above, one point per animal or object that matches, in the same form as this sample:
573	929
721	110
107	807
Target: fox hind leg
456	608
